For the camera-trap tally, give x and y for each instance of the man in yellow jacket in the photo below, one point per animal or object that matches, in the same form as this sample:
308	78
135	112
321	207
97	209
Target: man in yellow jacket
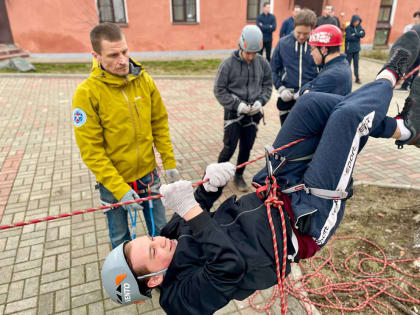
119	117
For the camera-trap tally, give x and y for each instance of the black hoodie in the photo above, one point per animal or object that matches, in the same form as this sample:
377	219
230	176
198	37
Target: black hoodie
222	255
353	35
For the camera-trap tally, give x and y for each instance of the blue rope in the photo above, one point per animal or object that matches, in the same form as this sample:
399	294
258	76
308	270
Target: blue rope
133	223
152	220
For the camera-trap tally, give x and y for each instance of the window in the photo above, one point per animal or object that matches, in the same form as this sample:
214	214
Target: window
255	8
184	11
383	26
112	11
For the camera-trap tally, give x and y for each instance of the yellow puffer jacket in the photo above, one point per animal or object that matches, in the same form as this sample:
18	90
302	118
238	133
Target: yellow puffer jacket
117	120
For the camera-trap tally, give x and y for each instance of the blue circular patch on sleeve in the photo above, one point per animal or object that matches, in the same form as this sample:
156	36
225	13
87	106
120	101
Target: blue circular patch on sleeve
79	117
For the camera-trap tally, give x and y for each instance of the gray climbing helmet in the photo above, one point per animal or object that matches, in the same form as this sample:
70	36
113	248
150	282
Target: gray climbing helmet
251	39
118	280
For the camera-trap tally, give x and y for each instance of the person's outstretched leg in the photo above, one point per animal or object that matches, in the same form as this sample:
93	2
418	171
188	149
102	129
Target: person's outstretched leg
344	135
307	119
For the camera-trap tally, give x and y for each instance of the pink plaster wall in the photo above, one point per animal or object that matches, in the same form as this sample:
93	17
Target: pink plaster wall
403	16
51	26
367	10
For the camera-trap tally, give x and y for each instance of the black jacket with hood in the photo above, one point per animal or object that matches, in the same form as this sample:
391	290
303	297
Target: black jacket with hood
223	255
353	35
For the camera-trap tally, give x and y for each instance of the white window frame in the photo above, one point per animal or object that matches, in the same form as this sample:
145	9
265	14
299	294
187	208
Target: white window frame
197	13
125	9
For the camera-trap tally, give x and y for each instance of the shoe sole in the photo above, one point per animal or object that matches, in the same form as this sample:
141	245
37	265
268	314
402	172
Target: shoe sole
410	42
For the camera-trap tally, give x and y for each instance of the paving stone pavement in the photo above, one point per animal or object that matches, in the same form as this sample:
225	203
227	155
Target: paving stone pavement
54	267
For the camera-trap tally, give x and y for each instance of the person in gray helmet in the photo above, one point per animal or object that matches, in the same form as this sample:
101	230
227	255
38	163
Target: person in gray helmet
243	86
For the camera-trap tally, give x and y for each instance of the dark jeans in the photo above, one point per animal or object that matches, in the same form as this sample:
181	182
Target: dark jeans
355	57
235	133
267	47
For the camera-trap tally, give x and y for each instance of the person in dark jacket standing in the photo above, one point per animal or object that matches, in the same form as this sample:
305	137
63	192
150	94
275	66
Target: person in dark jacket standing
354	32
327	17
243	86
292	64
289	25
205	259
335	75
267	23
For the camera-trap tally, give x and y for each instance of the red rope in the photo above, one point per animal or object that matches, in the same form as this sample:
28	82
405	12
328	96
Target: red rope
408	75
361	293
115	205
272	199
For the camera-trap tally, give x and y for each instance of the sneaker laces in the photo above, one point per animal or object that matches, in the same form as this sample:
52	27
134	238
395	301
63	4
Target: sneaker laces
400	60
407	105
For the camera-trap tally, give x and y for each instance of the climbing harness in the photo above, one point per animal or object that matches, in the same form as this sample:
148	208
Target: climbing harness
318	192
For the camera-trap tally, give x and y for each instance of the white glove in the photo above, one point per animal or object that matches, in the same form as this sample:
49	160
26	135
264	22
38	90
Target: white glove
218	174
296	95
256	108
178	196
172	175
129	196
285	94
243	109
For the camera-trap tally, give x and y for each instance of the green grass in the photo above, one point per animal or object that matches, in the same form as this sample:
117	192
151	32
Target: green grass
378	54
176	67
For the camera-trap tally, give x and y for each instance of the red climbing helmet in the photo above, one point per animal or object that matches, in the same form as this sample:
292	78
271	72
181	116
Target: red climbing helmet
326	35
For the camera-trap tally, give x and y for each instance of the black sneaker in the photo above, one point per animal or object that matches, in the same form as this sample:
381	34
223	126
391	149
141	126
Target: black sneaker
411	115
358	81
416	28
240	184
403	53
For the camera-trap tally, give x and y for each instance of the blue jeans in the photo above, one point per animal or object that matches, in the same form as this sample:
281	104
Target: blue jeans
118	217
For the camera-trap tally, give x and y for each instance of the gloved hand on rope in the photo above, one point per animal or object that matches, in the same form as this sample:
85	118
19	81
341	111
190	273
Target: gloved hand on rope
285	94
219	174
178	196
255	108
243	109
129	196
172	175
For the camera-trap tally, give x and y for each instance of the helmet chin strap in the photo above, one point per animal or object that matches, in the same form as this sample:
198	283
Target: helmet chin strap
323	56
163	271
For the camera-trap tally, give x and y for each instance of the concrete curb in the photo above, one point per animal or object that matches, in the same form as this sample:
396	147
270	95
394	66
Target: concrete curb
373	60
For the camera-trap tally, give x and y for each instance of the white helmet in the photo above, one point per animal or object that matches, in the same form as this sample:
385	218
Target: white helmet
251	39
119	281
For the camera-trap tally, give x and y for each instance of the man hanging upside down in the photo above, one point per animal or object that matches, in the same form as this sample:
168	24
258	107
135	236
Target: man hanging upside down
204	259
